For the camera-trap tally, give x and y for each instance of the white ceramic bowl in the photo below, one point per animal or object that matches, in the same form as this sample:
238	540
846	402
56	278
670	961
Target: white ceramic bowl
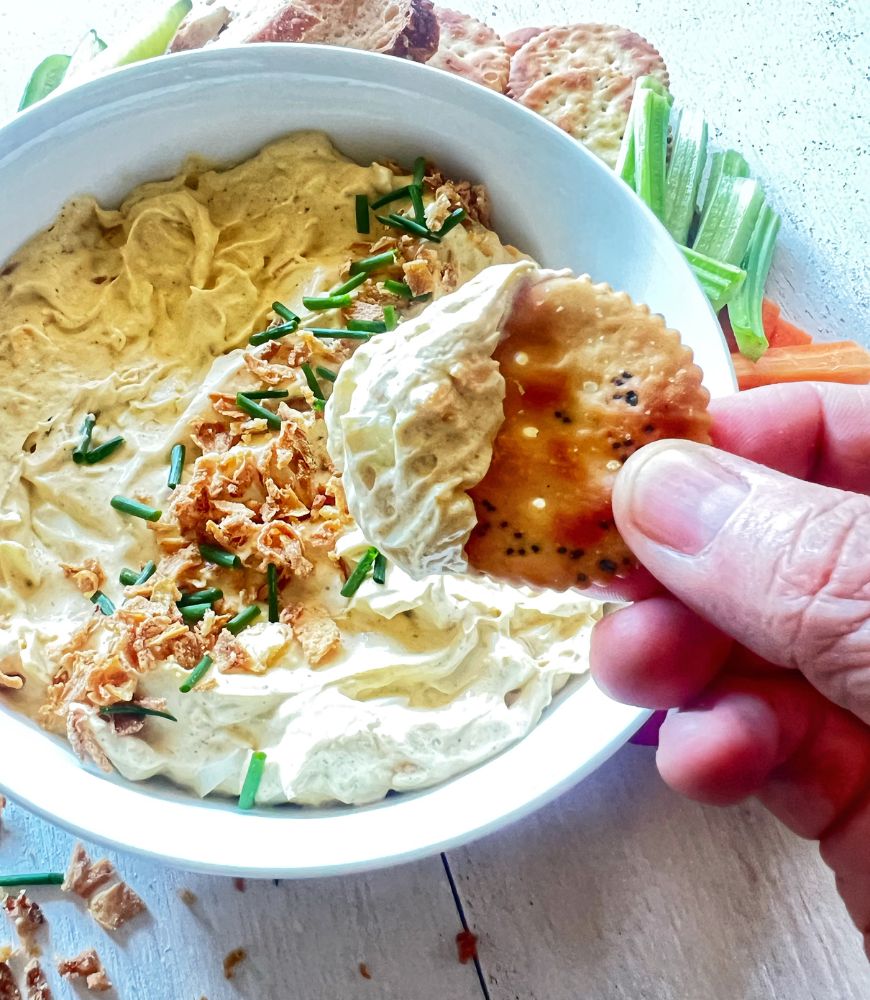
551	198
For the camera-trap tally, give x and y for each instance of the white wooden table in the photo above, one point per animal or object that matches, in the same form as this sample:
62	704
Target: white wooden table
619	889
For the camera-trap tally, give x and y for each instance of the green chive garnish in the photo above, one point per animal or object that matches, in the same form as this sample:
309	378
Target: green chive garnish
351	283
286	314
416	195
103	450
398	288
391	318
266	393
243	619
255	410
207	596
362	213
272	584
354	581
127	506
319	405
252	780
385	199
326	373
176	465
32	878
400	222
273	333
128	708
102	602
419	171
84	446
327	333
452	220
379	568
215	554
313	384
197	674
318	302
130	578
366	325
194	612
374	263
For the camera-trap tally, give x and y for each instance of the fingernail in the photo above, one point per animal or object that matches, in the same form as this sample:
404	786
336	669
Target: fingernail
680	496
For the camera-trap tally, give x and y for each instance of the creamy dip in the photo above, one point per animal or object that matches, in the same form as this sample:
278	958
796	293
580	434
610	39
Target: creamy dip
142	315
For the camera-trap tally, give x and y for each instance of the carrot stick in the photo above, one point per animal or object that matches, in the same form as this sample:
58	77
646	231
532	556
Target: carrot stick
769	316
843	361
786	334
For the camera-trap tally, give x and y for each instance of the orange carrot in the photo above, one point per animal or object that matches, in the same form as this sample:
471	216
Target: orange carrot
843	361
786	334
769	317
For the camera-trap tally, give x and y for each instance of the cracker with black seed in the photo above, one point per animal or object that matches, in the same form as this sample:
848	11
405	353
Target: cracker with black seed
590	377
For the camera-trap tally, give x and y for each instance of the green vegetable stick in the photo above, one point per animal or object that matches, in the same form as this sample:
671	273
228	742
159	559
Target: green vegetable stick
730	164
650	149
718	280
688	156
625	161
726	227
47	77
744	310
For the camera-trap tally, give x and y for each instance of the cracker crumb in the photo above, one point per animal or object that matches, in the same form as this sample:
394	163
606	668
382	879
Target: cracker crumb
187	896
466	946
231	962
34	980
364	971
239	884
8	989
27	917
83	876
113	907
87	966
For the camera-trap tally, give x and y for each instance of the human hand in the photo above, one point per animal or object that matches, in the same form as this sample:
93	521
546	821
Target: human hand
763	636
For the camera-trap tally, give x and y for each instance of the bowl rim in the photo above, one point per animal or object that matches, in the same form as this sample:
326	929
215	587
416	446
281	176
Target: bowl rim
146	817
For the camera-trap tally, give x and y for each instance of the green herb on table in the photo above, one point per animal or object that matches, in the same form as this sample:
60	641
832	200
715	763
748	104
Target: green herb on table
361	571
32	878
102	602
253	409
176	465
196	675
311	379
243	619
251	784
220	557
131	708
127	506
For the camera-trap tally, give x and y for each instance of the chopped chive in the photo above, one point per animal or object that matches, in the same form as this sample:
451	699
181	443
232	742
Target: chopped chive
194	612
419	171
318	302
398	288
362	213
313	384
102	602
354	581
385	199
243	619
207	596
400	222
32	878
103	450
391	319
286	314
273	333
366	325
196	675
374	263
379	568
127	506
255	410
326	373
452	221
252	780
130	578
220	557
176	465
327	333
319	405
272	584
129	708
84	446
351	283
416	195
266	393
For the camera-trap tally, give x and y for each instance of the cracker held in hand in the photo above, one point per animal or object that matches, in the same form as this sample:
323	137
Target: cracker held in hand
590	377
582	78
470	48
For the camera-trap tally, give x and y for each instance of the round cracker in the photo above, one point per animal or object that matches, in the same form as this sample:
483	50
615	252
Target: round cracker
592	106
590	377
470	48
592	47
515	40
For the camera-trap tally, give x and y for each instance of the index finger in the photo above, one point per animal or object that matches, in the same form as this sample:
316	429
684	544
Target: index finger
817	431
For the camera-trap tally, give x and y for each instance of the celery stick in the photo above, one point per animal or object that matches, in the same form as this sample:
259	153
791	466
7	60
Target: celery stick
726	227
651	149
88	48
719	281
744	310
731	164
688	156
625	160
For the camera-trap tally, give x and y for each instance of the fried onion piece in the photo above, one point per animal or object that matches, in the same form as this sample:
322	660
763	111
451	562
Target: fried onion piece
590	377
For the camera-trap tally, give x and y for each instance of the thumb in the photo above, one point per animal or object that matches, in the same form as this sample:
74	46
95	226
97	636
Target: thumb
781	565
